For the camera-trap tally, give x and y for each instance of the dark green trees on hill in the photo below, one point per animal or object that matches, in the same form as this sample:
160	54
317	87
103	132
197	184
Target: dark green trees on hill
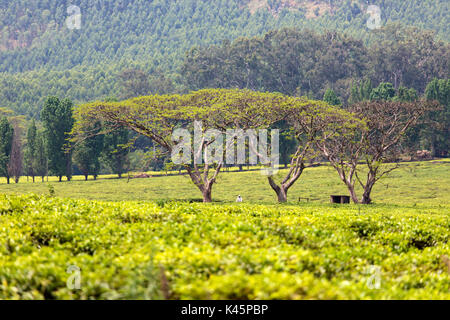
40	56
40	160
438	128
15	165
6	138
115	151
133	83
306	63
87	152
331	98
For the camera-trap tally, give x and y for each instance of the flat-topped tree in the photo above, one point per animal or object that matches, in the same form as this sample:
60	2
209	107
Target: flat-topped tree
371	146
158	116
237	114
241	110
308	120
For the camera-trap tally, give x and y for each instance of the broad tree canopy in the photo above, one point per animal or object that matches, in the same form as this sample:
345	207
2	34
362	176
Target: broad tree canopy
157	117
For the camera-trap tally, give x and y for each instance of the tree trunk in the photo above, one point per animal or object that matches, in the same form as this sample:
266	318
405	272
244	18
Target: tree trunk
206	192
85	177
204	185
120	175
69	166
368	190
33	179
7	180
351	190
366	198
60	178
281	191
282	195
433	146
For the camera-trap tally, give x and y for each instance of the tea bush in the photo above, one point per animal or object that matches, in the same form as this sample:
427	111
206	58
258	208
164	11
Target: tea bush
176	250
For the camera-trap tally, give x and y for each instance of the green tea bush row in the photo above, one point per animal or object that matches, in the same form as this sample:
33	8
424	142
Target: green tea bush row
174	250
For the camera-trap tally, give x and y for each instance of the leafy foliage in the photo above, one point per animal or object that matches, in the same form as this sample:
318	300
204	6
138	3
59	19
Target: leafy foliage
6	137
30	151
58	121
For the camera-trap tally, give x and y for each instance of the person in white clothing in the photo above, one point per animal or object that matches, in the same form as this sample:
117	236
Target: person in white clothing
239	199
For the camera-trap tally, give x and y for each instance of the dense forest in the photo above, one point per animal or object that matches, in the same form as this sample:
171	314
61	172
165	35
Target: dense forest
41	56
307	63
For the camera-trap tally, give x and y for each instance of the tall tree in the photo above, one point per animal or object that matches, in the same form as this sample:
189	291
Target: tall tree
40	159
115	151
87	152
57	118
437	132
373	144
15	165
408	56
6	139
31	150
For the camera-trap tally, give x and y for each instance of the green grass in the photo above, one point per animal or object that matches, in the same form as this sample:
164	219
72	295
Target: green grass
414	183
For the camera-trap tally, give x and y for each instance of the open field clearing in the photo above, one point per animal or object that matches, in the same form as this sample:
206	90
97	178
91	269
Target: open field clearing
414	183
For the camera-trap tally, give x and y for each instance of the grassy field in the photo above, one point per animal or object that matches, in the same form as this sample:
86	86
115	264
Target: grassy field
414	183
153	248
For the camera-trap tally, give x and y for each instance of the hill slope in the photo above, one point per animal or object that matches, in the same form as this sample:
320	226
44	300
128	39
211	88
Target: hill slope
35	34
37	45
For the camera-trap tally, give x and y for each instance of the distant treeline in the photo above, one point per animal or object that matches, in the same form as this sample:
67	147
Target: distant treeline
307	63
38	149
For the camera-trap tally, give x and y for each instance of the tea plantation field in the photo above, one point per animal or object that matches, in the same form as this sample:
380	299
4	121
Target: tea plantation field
182	251
65	248
413	183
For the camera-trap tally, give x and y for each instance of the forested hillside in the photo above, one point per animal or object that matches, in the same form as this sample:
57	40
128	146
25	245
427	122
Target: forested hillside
307	63
41	56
